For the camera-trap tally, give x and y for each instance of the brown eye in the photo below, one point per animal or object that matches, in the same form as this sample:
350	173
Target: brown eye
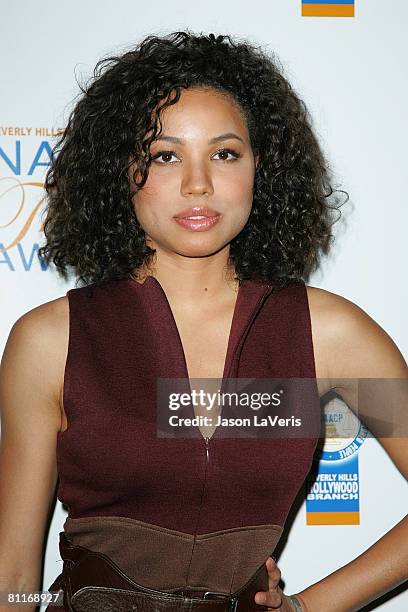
226	152
165	155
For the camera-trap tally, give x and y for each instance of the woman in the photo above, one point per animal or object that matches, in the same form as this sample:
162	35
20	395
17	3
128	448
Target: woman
190	196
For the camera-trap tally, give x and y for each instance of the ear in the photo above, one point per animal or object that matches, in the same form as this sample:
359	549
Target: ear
256	160
133	173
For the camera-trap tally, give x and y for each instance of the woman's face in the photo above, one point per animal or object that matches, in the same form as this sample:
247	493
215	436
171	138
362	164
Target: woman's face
203	159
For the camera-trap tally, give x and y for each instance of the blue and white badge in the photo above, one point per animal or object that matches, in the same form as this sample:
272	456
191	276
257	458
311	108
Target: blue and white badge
333	496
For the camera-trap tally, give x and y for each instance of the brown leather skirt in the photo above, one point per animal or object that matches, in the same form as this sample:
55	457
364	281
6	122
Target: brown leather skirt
92	582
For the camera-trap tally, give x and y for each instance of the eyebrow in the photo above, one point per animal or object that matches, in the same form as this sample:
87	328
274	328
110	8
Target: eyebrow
211	141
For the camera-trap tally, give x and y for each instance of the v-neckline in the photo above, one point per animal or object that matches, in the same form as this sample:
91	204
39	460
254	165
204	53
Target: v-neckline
245	309
182	350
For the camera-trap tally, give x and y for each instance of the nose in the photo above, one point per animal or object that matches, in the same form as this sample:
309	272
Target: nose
196	180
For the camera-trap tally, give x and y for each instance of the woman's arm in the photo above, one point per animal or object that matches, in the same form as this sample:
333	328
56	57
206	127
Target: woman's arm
30	376
360	349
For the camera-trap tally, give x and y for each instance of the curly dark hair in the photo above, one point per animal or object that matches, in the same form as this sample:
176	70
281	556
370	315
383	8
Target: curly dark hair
91	224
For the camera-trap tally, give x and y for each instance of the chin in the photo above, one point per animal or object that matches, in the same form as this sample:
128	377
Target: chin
193	244
198	252
198	247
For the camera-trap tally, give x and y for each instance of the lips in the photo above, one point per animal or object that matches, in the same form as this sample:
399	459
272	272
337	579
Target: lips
197	218
197	211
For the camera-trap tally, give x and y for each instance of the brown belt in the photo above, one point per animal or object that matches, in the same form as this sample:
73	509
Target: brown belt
92	582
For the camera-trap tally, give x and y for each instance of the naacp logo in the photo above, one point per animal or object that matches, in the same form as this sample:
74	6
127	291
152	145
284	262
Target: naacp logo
344	432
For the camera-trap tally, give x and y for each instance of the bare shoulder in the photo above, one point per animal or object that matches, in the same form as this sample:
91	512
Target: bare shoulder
351	342
43	326
323	302
39	340
51	313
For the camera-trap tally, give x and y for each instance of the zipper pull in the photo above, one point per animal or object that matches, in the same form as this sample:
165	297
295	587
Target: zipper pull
207	441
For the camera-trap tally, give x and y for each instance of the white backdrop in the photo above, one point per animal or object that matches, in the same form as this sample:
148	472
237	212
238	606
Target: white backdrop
351	72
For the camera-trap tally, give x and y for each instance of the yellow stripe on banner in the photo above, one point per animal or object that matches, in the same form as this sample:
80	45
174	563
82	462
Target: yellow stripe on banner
332	518
327	10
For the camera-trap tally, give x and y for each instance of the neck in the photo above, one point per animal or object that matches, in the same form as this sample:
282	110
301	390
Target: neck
191	287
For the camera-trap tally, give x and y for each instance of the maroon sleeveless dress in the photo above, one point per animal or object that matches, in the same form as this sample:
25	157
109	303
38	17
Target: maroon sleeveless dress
176	512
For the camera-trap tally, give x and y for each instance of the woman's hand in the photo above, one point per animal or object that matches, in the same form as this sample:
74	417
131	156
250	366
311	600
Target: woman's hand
274	598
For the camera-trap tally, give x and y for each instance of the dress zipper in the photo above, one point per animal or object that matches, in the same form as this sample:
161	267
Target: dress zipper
207	449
